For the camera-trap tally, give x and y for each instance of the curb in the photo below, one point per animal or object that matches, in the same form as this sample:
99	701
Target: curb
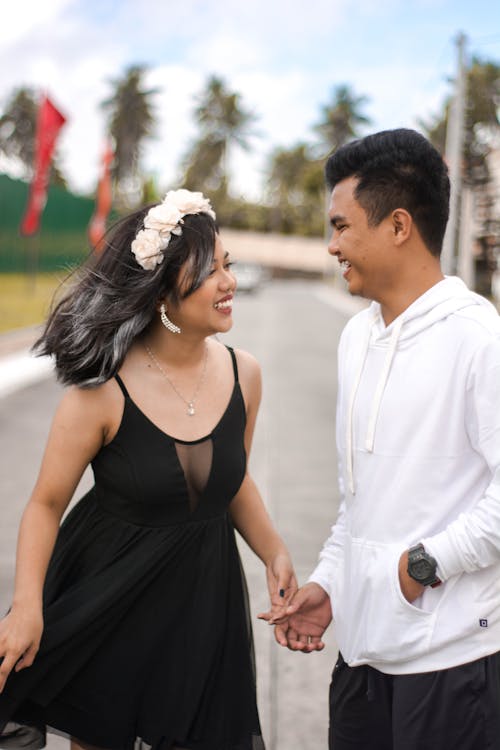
18	367
21	369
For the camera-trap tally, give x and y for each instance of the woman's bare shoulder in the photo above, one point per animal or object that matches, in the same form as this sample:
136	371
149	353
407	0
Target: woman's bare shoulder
99	406
248	365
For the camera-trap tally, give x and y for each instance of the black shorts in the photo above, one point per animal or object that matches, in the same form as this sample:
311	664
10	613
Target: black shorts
451	709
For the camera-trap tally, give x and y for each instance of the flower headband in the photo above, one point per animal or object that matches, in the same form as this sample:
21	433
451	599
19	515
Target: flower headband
164	220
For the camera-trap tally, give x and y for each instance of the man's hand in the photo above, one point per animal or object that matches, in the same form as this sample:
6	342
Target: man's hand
410	588
304	621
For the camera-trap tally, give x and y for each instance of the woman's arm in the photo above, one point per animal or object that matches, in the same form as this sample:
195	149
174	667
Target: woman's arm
248	512
77	433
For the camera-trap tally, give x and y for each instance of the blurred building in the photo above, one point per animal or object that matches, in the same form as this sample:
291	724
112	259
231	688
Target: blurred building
480	227
489	238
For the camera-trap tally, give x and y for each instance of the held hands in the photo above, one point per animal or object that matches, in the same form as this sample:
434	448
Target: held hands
304	621
301	617
20	635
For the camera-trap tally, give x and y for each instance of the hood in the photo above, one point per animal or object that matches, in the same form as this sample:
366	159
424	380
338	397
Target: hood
444	298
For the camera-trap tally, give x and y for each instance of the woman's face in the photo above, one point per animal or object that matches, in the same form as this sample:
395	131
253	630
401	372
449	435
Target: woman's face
209	309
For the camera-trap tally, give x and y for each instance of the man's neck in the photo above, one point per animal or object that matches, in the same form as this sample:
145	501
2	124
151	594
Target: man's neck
404	294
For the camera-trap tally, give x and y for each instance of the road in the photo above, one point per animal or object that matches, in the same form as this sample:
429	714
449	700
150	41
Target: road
293	330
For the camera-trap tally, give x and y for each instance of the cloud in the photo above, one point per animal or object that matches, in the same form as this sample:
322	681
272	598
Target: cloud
400	95
22	19
284	58
257	22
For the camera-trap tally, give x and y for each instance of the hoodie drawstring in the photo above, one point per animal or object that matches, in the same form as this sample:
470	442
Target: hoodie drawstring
349	431
377	399
372	423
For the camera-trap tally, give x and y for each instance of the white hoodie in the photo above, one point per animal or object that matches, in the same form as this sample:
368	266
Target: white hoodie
418	437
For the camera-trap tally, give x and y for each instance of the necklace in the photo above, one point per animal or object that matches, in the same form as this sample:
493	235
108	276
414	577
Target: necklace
190	404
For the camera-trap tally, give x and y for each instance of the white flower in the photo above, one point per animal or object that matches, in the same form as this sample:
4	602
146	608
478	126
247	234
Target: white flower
189	202
164	217
164	220
147	248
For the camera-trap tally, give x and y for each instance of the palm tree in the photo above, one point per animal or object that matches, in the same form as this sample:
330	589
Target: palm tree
223	123
131	120
295	189
203	169
17	135
17	129
341	120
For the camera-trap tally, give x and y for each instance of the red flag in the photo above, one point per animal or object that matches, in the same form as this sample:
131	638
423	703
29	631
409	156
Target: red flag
104	200
49	122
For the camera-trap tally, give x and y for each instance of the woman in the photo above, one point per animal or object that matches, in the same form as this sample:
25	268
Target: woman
132	616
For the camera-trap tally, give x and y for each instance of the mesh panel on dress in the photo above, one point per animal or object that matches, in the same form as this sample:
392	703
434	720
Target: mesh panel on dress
196	462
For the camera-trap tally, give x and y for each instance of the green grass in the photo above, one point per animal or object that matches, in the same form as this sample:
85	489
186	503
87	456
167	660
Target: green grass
24	299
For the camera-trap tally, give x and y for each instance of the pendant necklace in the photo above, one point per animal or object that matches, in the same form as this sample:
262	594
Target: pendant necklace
190	404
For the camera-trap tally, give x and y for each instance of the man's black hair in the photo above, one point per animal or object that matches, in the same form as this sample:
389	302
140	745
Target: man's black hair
397	169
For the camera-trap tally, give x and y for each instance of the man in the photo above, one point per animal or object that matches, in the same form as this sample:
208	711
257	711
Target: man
411	570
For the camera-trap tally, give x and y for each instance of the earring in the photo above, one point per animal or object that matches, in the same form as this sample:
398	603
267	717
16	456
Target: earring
167	322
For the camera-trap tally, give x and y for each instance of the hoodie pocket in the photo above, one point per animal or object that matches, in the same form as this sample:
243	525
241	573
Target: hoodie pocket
373	619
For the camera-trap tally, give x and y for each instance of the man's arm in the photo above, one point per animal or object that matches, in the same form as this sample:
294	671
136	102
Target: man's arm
472	541
331	555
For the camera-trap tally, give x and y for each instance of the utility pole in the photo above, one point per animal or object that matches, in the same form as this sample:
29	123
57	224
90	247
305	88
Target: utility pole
454	158
465	263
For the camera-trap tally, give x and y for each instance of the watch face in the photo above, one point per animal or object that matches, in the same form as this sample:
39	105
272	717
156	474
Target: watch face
421	569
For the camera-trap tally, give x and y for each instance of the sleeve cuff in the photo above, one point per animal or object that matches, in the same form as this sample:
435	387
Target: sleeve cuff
321	578
448	560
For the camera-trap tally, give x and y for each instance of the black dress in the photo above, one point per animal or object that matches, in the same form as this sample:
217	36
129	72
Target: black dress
147	638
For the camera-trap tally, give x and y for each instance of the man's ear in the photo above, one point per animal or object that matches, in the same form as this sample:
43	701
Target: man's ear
402	225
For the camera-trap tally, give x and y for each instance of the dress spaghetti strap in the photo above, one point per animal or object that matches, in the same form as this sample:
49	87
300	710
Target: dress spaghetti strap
122	386
235	364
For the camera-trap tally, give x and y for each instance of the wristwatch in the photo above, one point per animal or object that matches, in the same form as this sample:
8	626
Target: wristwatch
422	566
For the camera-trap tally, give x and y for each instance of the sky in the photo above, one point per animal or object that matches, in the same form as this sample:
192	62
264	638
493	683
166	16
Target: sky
284	57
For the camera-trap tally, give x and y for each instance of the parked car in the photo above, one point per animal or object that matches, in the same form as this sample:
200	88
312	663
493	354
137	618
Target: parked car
250	276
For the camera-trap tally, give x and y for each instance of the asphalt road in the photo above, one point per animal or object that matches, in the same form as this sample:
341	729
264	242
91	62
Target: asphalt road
292	327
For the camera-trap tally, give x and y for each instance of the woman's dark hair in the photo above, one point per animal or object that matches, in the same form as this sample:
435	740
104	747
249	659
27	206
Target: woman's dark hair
397	169
114	299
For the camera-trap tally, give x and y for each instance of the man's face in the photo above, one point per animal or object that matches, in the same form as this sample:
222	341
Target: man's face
365	253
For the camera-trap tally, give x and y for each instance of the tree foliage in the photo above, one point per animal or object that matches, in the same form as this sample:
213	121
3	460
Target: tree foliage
481	121
341	119
204	170
296	182
223	123
295	190
17	128
17	135
131	120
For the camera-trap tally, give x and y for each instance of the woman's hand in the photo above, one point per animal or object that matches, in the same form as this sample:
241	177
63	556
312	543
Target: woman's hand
281	584
302	624
20	634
